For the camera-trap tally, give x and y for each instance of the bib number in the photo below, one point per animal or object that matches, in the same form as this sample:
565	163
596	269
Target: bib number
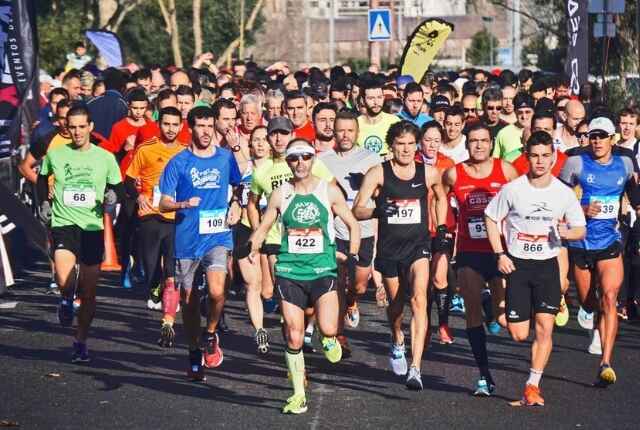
609	206
305	241
532	245
79	197
408	212
155	199
477	228
214	221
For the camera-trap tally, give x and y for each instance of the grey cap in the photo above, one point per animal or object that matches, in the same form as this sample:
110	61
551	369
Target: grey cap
279	123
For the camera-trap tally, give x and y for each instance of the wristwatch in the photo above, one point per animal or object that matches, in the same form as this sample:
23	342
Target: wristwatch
499	254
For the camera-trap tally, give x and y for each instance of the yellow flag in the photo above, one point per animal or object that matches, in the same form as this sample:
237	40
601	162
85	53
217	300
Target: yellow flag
423	45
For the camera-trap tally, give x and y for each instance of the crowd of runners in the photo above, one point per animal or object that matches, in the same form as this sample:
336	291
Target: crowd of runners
482	193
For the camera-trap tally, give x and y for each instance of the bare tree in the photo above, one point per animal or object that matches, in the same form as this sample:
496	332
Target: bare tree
197	28
169	14
111	13
247	27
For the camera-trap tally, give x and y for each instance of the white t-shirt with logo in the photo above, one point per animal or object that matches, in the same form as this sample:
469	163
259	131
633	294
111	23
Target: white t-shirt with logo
531	216
458	153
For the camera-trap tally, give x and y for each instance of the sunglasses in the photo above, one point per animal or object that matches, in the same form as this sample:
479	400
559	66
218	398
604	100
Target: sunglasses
470	109
598	135
493	108
293	158
582	135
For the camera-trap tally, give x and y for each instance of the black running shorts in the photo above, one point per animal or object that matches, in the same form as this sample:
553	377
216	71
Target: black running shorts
587	259
483	263
391	268
87	246
365	255
533	286
304	294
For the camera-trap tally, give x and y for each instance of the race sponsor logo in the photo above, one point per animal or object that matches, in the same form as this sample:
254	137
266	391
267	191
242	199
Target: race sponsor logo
205	179
306	213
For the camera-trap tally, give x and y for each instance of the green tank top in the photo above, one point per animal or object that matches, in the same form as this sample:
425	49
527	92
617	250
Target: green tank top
307	248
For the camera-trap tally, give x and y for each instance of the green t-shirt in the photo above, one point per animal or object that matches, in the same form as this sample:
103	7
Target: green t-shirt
80	178
271	175
508	144
373	136
307	249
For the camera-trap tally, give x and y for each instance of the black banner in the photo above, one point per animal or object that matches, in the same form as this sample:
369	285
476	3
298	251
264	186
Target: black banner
19	86
576	66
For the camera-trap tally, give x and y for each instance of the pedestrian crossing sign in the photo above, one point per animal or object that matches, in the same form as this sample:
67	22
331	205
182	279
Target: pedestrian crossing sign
379	25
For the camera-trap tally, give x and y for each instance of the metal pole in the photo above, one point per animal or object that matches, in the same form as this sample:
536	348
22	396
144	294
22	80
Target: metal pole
374	47
400	23
332	33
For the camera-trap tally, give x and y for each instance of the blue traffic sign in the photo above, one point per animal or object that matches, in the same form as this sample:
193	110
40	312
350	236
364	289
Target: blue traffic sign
379	25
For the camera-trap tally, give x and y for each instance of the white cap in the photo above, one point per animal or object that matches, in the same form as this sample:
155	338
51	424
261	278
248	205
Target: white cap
602	123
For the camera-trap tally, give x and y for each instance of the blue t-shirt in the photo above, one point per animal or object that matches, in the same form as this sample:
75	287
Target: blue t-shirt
604	183
418	121
200	229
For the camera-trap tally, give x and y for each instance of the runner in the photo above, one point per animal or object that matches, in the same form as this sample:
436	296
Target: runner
306	269
474	183
348	163
374	123
603	178
323	117
403	249
155	235
413	100
536	212
508	142
82	172
455	146
195	184
297	110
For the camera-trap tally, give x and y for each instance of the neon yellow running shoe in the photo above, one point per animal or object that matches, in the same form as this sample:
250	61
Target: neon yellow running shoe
296	404
607	375
332	349
562	317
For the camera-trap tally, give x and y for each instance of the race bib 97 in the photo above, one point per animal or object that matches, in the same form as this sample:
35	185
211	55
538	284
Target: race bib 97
408	212
305	240
477	228
610	206
79	197
212	221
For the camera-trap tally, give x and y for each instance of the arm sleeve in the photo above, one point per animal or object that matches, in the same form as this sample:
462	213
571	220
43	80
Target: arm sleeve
118	189
499	206
169	179
571	171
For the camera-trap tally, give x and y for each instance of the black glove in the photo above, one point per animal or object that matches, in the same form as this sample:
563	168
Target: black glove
386	210
443	242
244	250
352	261
355	180
110	198
45	212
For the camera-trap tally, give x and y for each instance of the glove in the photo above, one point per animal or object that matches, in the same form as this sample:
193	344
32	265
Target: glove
443	242
45	212
355	179
352	261
386	210
110	198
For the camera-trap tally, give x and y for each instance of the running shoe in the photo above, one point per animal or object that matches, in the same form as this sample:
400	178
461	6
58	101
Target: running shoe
585	319
532	396
167	335
595	347
622	312
196	371
307	346
80	353
213	356
77	302
457	304
397	359
446	338
562	317
65	312
484	388
493	327
296	404
344	344
352	318
262	340
53	288
126	279
270	305
332	349
381	297
414	380
154	302
607	375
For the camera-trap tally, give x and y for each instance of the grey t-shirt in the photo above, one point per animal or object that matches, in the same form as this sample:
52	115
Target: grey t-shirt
344	166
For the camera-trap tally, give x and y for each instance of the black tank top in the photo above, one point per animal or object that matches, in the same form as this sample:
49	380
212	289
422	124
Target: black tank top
400	235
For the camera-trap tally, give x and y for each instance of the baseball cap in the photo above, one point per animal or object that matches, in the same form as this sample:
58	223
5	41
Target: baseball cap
545	104
602	123
404	80
523	100
439	103
279	123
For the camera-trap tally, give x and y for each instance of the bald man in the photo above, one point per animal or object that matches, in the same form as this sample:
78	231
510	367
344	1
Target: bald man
179	77
564	137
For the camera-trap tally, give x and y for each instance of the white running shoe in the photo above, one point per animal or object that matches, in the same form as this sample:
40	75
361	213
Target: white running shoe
397	359
595	348
585	319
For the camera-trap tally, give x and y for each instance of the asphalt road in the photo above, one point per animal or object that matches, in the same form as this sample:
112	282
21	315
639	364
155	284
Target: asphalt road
133	384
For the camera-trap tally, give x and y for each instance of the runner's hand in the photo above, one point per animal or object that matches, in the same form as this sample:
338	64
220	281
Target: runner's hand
130	143
45	212
144	203
386	210
110	198
234	214
444	240
593	209
193	202
254	254
505	265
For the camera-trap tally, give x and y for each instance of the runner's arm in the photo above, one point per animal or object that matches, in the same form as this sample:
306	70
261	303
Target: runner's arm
449	178
26	168
372	180
340	209
509	171
493	233
434	180
268	219
253	213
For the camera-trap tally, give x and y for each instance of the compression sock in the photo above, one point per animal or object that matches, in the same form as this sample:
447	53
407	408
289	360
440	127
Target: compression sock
478	341
170	299
295	364
441	297
534	377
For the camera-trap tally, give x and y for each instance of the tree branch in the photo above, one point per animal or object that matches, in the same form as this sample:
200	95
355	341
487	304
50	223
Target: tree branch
503	4
236	42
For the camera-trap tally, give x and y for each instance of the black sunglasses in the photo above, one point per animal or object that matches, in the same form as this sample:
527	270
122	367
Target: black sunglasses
294	158
598	135
581	135
470	109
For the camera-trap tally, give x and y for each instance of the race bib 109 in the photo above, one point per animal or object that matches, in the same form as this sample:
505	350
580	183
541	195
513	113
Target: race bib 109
212	221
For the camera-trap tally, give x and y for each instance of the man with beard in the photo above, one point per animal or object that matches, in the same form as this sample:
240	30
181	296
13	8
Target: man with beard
413	99
297	110
324	116
374	123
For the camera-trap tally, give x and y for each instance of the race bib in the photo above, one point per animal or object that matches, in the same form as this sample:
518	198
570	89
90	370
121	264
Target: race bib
532	245
79	197
408	212
155	199
213	221
305	240
477	228
610	206
244	198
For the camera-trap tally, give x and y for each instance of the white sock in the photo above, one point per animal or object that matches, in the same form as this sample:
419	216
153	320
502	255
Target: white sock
534	377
